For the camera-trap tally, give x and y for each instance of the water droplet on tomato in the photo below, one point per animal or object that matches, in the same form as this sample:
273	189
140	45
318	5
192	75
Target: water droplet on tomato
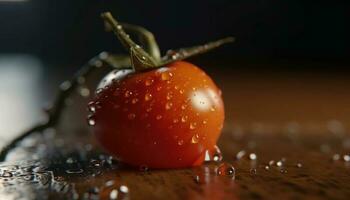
193	125
91	121
204	121
131	116
158	117
183	107
168	105
176	121
195	139
181	91
180	142
166	75
134	100
184	118
148	96
91	107
127	93
149	82
169	96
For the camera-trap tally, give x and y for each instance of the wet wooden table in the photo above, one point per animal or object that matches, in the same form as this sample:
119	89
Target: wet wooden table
285	135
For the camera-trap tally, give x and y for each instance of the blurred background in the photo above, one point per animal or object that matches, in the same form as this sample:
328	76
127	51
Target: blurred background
289	64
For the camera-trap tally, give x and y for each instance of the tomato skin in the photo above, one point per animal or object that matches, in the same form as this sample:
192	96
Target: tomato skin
163	118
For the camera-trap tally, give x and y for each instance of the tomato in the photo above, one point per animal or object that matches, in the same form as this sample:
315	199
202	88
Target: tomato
163	118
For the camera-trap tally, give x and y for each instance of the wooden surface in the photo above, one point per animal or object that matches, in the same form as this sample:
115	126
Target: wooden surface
301	120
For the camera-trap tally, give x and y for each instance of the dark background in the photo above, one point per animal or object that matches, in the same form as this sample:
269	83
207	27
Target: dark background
69	32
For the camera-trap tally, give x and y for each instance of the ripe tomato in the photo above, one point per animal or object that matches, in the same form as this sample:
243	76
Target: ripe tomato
163	118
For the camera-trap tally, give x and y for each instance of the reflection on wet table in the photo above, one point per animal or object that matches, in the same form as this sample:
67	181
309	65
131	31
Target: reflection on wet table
256	164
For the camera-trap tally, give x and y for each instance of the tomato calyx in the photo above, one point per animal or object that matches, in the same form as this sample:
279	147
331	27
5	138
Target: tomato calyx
148	56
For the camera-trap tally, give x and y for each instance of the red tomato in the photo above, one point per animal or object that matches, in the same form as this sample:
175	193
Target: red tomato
164	118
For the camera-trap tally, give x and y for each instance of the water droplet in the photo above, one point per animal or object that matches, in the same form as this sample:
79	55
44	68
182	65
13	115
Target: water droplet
184	118
252	156
240	154
217	156
279	164
91	121
165	76
253	171
91	107
193	125
113	194
175	56
134	100
283	171
212	109
84	92
99	90
148	97
169	96
149	82
109	183
158	117
225	169
180	142
195	139
271	162
183	107
204	121
176	121
299	165
143	58
336	157
65	85
143	168
168	105
74	171
124	189
70	160
127	93
346	158
267	167
131	116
